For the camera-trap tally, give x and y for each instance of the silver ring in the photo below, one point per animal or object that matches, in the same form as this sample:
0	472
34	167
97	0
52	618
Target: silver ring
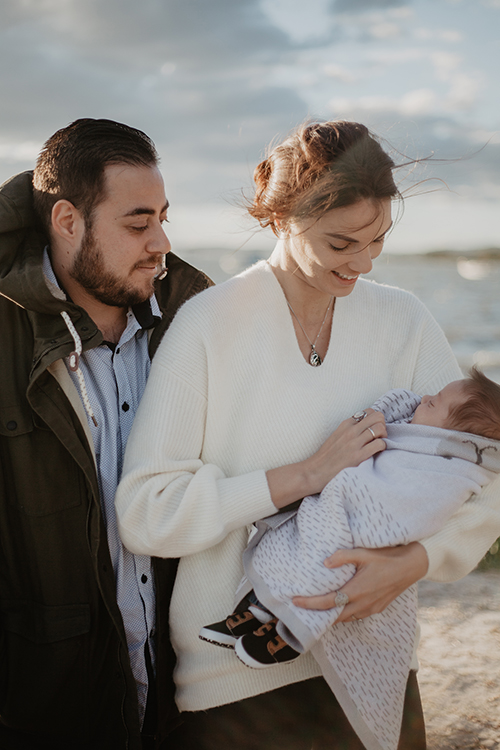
373	434
341	599
359	415
356	619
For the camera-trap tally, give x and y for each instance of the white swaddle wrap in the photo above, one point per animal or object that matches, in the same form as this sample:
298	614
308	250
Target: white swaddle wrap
403	494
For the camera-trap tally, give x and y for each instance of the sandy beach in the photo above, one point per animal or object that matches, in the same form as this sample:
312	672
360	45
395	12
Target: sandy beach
460	662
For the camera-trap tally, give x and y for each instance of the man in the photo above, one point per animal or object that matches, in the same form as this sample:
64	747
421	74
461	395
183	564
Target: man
85	661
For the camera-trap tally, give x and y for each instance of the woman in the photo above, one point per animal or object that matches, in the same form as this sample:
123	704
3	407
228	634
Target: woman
237	420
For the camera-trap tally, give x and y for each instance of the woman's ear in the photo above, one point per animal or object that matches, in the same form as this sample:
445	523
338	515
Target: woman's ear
67	222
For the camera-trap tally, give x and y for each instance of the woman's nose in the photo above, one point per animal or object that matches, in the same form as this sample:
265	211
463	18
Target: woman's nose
361	262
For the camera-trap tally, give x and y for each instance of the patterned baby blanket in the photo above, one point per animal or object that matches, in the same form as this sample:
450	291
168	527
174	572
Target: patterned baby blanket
403	494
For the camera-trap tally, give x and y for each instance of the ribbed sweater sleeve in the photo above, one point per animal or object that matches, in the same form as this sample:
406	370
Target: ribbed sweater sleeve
171	502
456	550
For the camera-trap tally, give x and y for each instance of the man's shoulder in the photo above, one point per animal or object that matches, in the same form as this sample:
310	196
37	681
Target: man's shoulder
183	275
16	203
182	282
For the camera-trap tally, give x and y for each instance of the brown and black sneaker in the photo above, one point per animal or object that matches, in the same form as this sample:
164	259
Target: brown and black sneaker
227	632
264	647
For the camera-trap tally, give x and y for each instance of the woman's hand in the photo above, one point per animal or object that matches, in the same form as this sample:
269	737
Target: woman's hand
381	576
351	443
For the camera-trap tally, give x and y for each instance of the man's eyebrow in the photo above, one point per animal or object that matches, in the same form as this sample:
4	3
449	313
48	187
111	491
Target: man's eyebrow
143	210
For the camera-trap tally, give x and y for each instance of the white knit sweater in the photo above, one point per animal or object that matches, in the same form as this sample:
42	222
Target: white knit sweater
231	396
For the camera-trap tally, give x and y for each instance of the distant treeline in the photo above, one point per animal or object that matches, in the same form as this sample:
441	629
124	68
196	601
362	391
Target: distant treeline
489	253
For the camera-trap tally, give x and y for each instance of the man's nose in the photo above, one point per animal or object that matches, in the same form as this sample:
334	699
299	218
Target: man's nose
159	243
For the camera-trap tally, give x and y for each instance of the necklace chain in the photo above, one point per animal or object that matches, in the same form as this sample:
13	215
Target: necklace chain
314	358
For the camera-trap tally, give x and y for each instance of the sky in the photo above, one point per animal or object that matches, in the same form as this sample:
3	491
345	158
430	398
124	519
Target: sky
213	82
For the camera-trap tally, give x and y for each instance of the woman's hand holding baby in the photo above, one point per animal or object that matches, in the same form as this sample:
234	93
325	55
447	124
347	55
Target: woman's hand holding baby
352	442
381	576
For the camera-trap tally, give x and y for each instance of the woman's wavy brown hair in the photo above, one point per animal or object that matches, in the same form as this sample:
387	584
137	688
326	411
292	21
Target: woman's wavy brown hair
321	166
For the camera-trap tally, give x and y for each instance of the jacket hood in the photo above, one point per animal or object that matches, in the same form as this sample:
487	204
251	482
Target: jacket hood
21	247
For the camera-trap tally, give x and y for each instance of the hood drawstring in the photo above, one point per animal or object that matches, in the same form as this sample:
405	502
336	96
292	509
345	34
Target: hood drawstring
74	365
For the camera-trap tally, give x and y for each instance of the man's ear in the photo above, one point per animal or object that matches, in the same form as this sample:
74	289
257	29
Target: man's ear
67	222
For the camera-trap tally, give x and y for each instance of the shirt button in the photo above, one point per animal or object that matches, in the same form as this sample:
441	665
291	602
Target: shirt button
117	351
144	578
125	406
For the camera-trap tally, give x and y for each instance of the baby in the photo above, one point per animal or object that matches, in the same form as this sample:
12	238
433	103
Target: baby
440	451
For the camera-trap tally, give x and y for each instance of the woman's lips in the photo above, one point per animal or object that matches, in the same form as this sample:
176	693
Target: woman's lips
344	278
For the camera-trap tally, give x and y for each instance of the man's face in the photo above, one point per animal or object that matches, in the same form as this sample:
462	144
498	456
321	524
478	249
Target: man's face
121	251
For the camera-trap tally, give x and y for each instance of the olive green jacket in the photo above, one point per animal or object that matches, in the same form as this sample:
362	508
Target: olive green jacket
64	667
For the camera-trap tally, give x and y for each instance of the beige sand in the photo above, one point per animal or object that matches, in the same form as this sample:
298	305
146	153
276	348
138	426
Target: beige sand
460	662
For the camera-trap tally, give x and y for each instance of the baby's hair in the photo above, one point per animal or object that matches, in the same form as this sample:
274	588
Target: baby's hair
480	413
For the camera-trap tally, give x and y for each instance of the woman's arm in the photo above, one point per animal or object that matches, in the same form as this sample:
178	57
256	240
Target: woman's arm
456	550
170	503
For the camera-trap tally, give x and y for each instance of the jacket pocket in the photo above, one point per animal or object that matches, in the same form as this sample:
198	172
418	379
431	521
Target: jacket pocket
44	666
40	476
40	623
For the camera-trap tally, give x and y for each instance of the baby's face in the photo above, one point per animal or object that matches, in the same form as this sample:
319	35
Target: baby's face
434	410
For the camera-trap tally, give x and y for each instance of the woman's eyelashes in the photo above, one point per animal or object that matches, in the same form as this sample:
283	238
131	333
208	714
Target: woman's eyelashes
377	241
338	249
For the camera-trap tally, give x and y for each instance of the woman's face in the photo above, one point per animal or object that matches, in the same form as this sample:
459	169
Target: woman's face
331	252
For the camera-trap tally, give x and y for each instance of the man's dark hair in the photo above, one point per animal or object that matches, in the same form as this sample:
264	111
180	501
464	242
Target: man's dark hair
72	162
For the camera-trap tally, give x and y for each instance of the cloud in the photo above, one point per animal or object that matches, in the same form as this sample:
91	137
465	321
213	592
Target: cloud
214	81
443	35
361	6
445	63
340	73
464	92
188	73
417	102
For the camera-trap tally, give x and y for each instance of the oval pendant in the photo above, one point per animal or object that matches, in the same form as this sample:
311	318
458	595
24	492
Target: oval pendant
314	359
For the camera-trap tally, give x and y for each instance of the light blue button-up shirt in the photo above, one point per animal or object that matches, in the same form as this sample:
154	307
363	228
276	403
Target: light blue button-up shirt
115	381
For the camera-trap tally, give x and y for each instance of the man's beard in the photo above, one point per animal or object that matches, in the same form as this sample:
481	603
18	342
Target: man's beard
90	272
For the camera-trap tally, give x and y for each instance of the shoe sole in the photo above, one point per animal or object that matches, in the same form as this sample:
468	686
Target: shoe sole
226	641
249	661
